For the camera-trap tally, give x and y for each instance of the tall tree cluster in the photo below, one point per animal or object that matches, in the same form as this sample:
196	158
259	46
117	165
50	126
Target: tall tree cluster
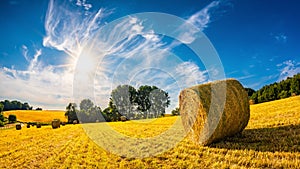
125	100
278	90
144	102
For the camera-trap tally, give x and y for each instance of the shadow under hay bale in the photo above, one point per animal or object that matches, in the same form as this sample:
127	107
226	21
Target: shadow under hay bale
213	111
55	123
18	126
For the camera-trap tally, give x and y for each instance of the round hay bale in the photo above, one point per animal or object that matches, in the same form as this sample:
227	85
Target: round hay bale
123	118
213	111
38	125
75	121
56	123
63	123
28	125
18	126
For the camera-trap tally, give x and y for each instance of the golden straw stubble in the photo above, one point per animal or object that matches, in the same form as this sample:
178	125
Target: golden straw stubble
215	110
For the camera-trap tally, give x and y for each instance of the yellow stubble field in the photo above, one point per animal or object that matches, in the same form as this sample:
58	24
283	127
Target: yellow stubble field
271	140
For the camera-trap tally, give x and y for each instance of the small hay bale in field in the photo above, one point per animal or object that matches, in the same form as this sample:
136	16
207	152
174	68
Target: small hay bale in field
18	126
75	121
63	123
214	110
28	125
123	118
38	125
56	123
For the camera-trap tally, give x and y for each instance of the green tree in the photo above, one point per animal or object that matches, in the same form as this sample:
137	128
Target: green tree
159	101
1	123
71	112
15	105
25	106
124	97
1	117
12	118
88	112
1	107
250	91
154	98
175	112
295	85
111	112
283	94
86	104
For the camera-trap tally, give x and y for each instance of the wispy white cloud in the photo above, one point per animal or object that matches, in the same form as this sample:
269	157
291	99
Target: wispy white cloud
25	53
67	29
288	68
244	77
190	73
84	4
199	20
202	18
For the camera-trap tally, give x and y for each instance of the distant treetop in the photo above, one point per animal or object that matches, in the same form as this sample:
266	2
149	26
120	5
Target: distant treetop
278	90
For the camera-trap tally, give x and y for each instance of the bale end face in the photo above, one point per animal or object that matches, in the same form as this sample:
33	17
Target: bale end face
18	127
56	123
123	118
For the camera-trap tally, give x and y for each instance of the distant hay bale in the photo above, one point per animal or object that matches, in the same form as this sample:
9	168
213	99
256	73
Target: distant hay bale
75	121
214	110
251	102
56	123
28	125
63	123
38	125
123	118
18	126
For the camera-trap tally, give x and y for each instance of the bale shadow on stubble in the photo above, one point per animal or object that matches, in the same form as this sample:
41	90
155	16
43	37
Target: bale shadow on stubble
280	139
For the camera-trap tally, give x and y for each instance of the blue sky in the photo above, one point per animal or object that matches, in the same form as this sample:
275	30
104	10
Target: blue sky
56	52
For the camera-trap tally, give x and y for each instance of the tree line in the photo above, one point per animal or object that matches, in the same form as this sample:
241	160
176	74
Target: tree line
144	102
278	90
15	105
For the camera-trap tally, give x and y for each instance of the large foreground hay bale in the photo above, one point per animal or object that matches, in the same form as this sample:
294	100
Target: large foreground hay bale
214	110
18	126
55	123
